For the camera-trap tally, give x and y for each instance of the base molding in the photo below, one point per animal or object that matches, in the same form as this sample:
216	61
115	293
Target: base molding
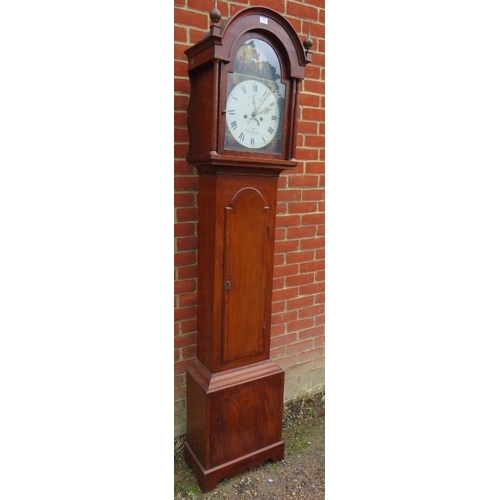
208	478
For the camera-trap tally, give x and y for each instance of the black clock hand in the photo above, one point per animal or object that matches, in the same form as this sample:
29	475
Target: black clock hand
260	105
255	110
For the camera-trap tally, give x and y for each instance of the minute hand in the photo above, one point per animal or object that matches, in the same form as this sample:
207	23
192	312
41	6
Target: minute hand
261	103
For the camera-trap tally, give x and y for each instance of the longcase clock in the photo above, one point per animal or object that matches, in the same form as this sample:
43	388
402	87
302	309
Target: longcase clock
242	119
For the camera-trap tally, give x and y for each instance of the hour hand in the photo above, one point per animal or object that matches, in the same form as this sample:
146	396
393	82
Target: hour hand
254	113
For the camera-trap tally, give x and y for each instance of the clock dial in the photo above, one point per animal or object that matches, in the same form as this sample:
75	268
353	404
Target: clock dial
252	114
255	100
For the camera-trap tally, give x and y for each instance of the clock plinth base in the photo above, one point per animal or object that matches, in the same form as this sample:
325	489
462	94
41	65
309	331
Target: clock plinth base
208	479
234	419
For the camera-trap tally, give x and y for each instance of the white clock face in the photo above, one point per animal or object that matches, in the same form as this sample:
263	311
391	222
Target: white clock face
252	114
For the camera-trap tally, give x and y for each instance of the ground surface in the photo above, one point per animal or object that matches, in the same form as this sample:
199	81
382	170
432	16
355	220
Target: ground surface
301	475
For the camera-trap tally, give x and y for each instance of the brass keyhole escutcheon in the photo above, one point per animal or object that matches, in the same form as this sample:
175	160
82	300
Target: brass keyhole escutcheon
227	285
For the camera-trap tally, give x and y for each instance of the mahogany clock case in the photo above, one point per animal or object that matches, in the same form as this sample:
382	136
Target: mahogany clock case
234	391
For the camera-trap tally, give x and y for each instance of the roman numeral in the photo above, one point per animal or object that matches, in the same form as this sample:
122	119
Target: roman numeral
270	130
274	117
231	112
254	87
244	89
242	136
234	125
252	142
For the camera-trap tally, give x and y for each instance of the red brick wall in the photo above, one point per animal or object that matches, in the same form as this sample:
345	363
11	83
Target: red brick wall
298	333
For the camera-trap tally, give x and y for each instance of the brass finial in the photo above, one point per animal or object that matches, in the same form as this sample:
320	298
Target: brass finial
215	14
308	41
